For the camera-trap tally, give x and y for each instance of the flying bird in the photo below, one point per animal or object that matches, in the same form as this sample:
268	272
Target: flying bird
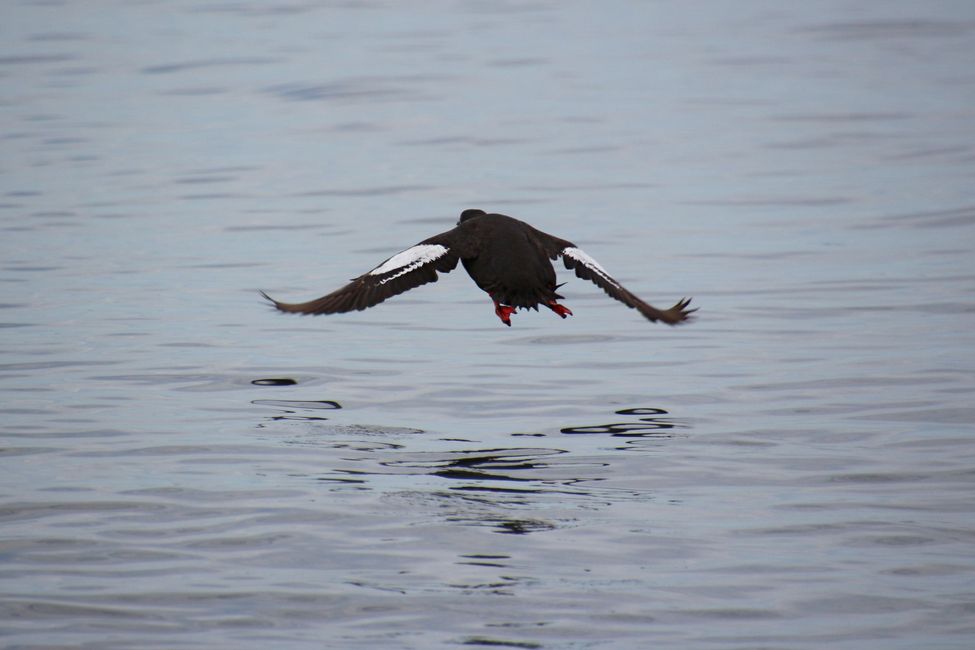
505	257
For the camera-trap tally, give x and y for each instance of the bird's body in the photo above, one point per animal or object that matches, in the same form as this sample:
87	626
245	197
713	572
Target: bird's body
511	264
507	258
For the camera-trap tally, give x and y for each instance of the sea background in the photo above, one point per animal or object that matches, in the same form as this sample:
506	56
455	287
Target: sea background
183	467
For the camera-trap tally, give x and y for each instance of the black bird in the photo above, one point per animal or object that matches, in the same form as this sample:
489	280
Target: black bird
505	257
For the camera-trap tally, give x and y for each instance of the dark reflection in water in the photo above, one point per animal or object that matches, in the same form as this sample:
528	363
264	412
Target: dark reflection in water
495	643
480	464
508	465
290	408
476	559
644	427
503	513
523	526
471	486
279	381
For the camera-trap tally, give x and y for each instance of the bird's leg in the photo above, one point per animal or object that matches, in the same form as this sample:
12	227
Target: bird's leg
504	312
561	310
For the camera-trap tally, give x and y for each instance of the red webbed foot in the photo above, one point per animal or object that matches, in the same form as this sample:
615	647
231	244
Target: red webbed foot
504	312
561	310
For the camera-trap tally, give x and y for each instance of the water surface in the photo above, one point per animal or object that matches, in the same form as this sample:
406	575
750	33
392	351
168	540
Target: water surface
183	467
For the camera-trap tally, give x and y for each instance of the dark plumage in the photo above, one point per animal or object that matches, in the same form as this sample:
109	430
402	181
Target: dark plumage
505	257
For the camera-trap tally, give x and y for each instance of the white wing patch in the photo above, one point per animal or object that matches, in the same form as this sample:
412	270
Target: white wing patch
408	260
581	257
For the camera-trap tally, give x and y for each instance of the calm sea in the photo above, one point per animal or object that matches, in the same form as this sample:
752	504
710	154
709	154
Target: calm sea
182	467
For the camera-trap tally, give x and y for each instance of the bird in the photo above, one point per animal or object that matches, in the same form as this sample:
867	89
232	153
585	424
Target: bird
507	258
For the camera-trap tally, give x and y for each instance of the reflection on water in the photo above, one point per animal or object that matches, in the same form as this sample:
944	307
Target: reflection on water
474	486
293	406
291	409
481	486
282	381
643	427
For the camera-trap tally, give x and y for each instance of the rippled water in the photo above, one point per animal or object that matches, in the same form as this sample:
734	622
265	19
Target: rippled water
184	467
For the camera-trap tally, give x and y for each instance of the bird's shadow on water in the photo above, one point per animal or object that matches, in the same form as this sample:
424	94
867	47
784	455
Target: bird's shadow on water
503	488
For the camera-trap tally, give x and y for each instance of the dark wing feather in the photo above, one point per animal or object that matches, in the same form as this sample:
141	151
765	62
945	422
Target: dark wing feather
406	270
587	268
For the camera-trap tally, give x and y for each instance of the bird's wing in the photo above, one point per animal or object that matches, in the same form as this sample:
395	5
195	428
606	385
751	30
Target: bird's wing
406	270
587	268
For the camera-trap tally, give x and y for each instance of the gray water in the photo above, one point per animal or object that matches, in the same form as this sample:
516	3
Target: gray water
182	467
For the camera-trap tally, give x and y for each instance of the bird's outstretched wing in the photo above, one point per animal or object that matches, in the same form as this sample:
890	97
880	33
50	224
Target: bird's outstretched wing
587	268
406	270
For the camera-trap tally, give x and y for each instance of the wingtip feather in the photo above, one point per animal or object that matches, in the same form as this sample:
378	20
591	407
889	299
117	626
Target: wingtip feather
272	301
679	313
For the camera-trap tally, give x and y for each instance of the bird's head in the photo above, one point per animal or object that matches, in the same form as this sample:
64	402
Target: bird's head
469	214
